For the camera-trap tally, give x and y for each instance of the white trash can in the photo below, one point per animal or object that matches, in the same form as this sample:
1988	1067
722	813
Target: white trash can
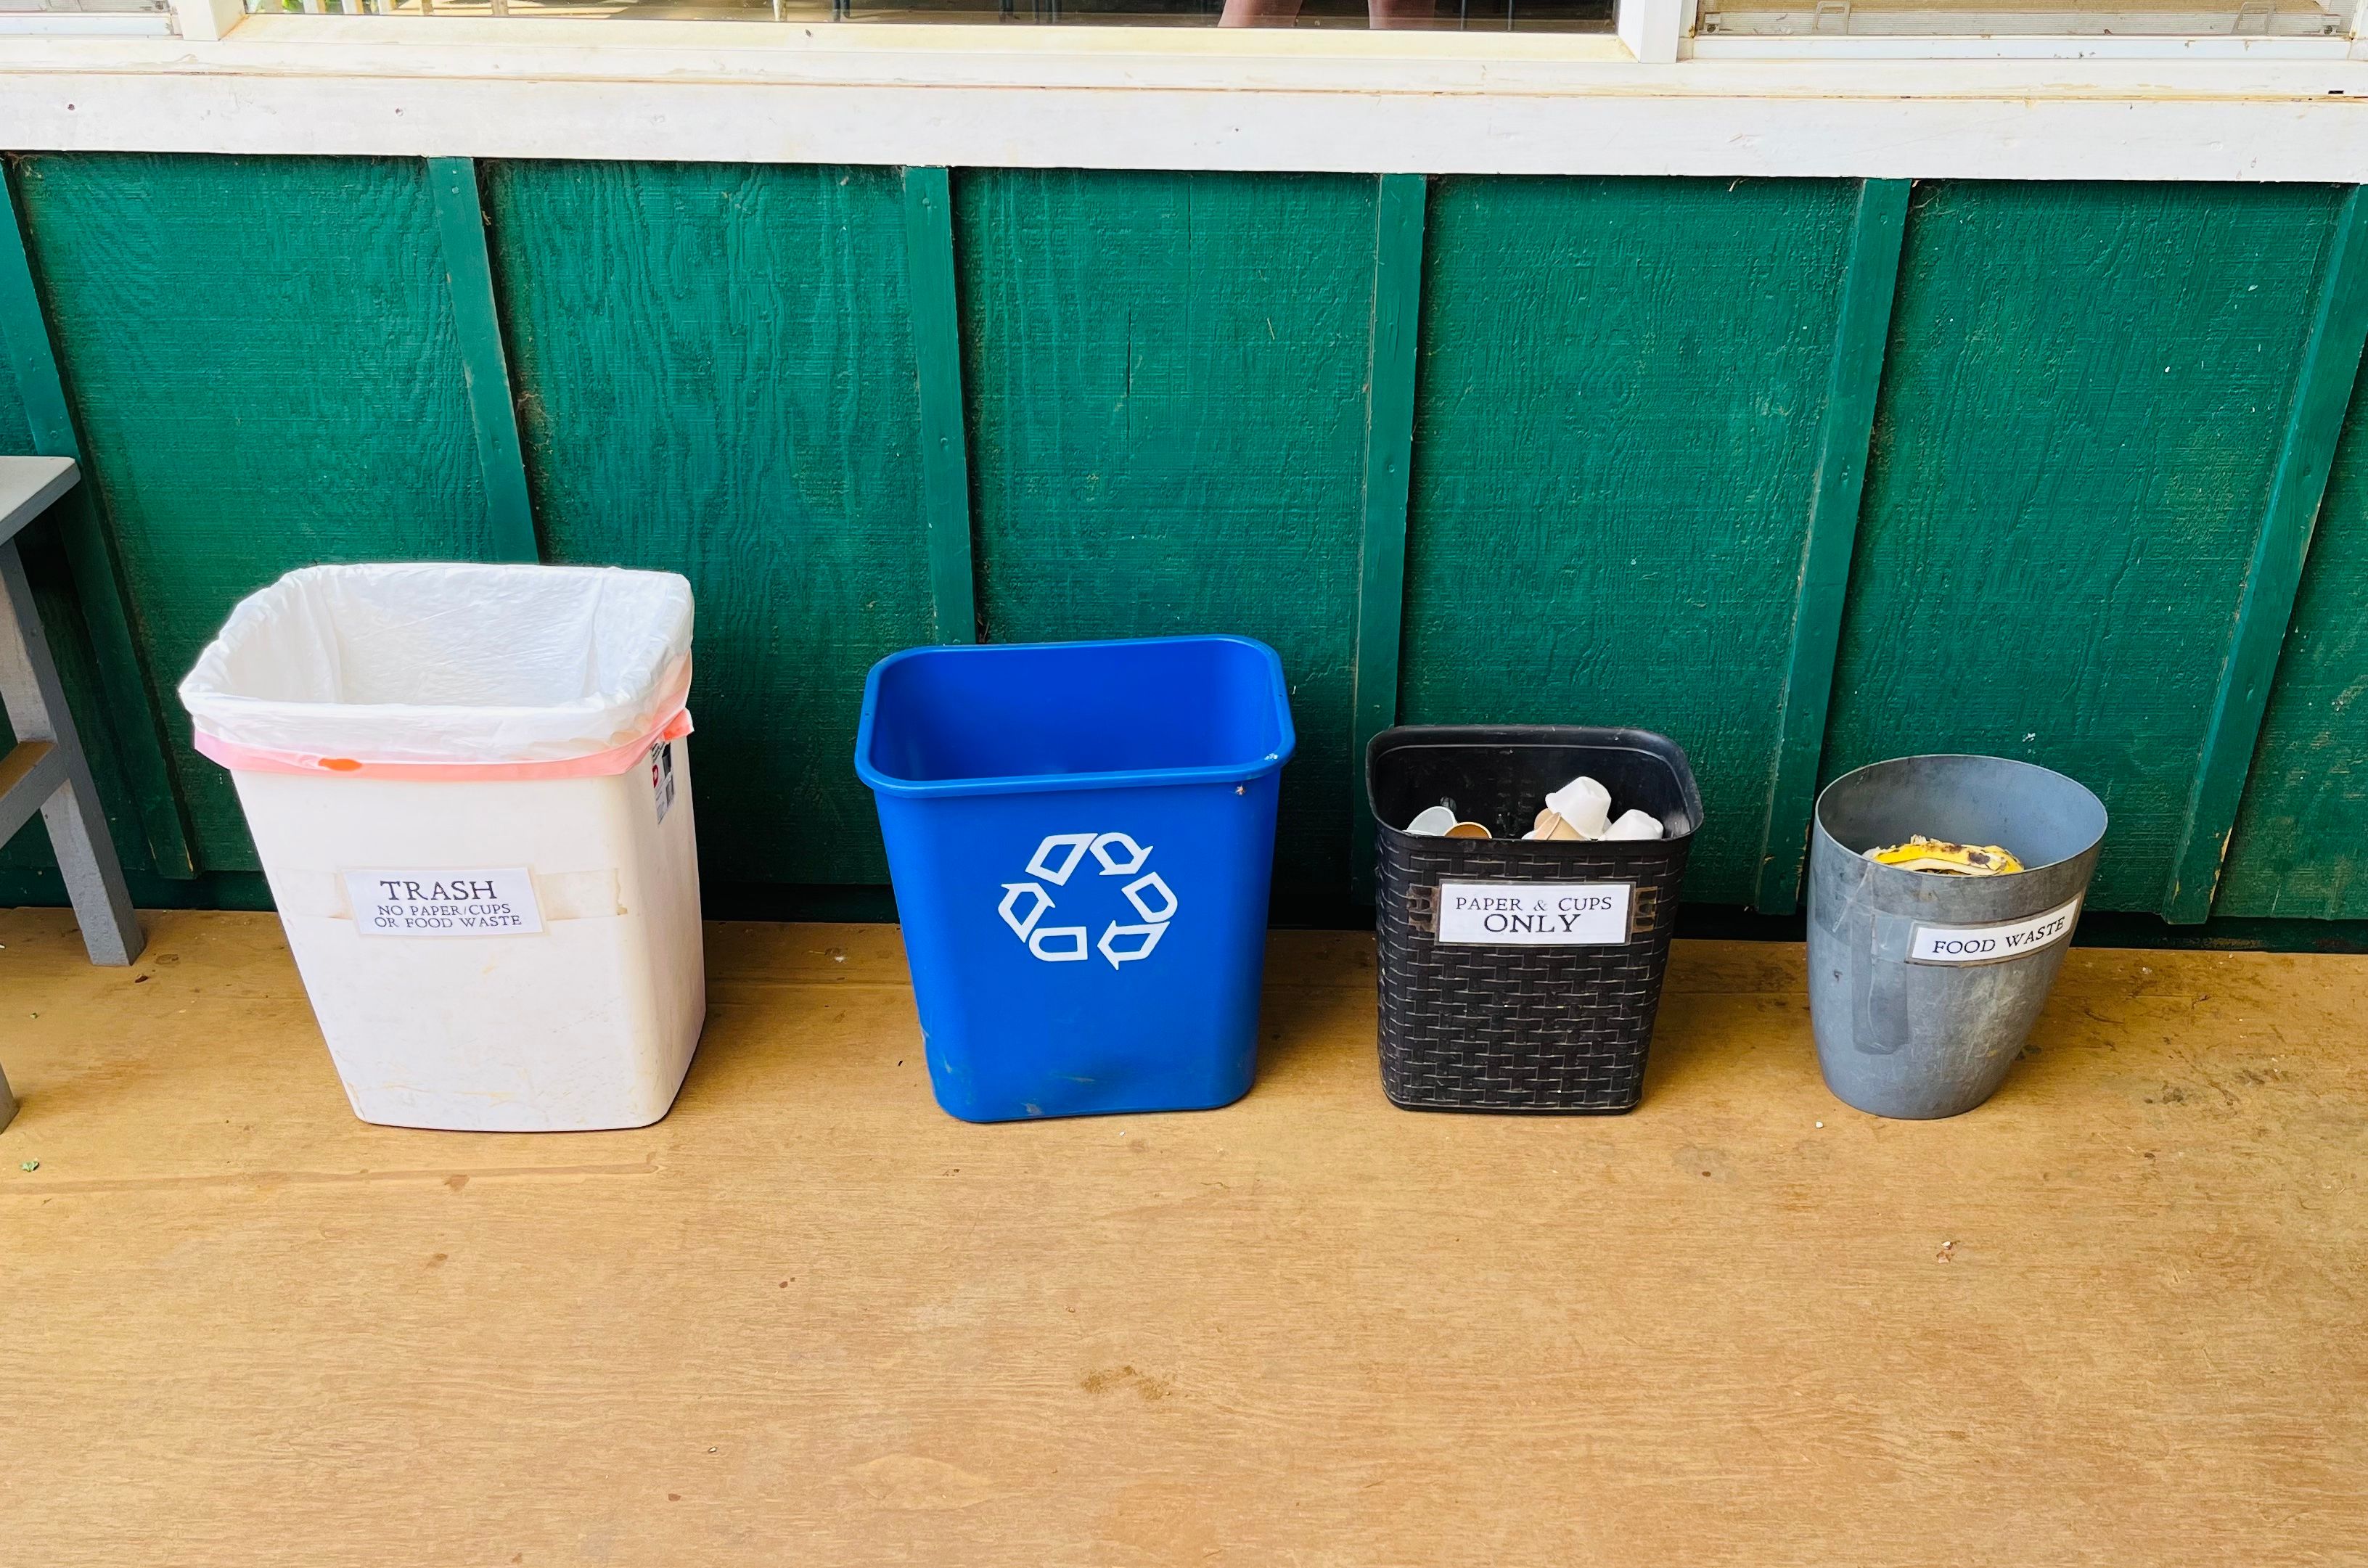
469	786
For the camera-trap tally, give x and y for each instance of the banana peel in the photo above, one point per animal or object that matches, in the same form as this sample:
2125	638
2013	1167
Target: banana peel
1939	855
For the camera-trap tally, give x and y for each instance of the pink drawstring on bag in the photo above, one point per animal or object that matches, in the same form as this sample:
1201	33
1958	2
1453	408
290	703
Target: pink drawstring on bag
250	759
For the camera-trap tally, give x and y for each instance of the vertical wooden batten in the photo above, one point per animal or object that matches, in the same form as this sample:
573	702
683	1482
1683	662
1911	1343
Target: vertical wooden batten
937	352
133	713
2330	364
715	377
1868	288
468	276
1389	458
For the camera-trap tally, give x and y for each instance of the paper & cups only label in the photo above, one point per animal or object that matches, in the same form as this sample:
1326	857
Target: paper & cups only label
498	903
1990	944
1535	914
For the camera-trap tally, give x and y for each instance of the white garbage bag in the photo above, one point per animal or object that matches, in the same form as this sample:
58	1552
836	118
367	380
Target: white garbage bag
446	664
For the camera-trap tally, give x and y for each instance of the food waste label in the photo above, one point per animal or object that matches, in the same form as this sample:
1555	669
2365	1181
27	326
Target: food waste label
1534	915
1989	943
498	903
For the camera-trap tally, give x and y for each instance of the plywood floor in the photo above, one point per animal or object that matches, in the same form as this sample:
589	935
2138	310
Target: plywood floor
2120	1316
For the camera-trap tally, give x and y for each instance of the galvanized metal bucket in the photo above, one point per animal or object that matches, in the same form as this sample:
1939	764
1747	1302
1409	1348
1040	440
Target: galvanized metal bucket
1923	988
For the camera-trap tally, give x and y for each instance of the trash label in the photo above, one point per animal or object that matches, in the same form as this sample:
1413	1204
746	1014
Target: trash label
444	903
1989	943
662	776
1534	915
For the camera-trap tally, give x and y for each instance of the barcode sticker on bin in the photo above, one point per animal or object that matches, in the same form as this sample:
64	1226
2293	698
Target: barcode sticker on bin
662	776
1535	914
498	903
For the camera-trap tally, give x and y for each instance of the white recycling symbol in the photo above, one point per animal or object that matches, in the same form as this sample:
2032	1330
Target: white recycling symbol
1025	905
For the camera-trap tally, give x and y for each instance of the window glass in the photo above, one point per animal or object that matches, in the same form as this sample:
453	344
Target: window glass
1469	15
2008	19
82	7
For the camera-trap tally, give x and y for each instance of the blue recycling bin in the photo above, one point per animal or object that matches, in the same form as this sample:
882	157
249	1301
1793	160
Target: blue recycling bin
1081	836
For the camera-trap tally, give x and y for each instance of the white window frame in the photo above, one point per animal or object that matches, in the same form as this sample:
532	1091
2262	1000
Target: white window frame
205	21
1664	30
1659	32
1646	99
1653	30
86	24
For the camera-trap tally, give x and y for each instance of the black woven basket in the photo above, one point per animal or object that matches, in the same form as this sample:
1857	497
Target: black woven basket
1482	1023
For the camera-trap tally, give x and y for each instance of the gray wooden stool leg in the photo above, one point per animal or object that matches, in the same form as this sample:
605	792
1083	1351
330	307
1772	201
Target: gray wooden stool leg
49	771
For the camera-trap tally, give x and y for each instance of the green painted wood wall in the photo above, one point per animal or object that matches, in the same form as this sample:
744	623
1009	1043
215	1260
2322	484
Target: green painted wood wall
1639	420
723	385
1166	384
1610	482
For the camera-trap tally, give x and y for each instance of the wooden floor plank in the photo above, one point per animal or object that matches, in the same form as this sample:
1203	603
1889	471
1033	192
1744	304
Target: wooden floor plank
2112	1317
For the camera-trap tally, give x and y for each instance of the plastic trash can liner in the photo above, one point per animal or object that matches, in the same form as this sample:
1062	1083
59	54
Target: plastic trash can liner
468	786
1081	837
356	668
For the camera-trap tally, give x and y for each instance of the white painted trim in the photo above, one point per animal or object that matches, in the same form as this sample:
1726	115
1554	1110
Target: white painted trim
1115	97
206	20
2170	20
86	24
1107	56
1651	28
1905	46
